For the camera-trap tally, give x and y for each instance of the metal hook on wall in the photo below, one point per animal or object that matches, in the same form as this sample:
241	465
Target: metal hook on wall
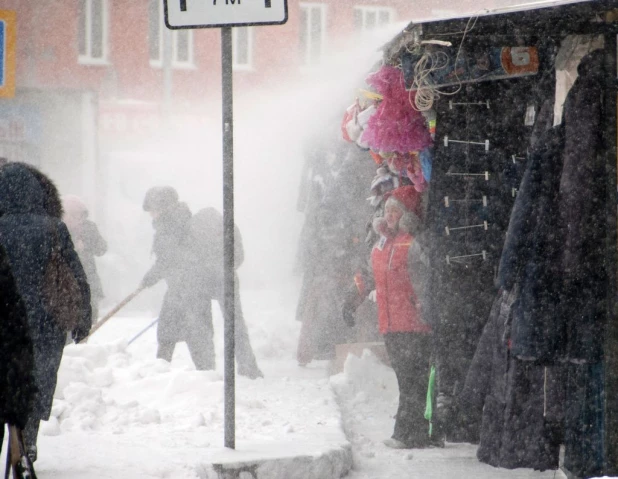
448	230
485	143
448	201
455	259
484	174
451	104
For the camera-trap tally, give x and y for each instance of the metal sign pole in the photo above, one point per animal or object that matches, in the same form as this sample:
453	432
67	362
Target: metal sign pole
228	235
181	14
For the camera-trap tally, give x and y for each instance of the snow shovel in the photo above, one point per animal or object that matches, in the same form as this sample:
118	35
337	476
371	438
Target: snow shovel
143	331
109	315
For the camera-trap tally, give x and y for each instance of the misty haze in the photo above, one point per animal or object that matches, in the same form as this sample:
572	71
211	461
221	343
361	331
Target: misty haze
424	222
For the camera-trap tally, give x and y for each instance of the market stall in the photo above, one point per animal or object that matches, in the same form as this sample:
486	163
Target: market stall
505	123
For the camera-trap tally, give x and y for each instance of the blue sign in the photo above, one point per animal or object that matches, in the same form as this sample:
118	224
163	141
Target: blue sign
2	51
8	38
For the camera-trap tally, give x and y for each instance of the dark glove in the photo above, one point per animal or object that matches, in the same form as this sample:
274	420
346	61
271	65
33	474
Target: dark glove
79	334
348	313
150	279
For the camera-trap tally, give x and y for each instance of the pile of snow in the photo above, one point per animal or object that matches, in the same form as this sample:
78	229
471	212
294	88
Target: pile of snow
367	391
104	388
118	411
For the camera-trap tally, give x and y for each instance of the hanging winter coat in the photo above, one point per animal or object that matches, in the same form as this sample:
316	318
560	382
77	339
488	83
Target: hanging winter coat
583	196
520	402
398	309
530	255
27	232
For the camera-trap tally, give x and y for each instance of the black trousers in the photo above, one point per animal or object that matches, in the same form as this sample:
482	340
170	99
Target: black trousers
187	318
31	432
192	315
410	357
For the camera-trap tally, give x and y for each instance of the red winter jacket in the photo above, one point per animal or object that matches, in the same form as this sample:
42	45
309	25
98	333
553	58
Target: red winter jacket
397	302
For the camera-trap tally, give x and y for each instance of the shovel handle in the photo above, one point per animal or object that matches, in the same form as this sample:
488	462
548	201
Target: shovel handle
109	315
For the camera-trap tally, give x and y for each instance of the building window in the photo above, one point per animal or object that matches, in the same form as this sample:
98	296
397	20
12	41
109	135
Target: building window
368	18
182	55
312	32
182	40
242	48
155	32
92	31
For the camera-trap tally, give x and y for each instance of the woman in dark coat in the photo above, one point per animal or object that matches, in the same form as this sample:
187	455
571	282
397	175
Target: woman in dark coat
17	361
27	233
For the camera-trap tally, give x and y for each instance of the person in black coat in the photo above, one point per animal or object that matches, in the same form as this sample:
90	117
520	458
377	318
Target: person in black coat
17	387
205	263
88	244
29	229
170	220
186	313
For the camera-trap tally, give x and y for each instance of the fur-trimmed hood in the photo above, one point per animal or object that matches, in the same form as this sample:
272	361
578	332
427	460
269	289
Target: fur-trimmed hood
28	190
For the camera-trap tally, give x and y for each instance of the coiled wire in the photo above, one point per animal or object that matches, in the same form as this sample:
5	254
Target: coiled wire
430	62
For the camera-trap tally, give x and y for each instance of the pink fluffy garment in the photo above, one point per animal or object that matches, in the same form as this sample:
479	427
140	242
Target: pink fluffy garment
395	126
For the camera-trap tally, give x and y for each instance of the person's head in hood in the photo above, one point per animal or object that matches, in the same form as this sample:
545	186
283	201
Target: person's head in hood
20	190
75	212
401	212
159	200
50	197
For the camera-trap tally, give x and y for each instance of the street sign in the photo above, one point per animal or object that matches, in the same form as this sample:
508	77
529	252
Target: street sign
7	54
224	13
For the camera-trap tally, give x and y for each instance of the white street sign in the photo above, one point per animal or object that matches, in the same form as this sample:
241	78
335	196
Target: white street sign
224	13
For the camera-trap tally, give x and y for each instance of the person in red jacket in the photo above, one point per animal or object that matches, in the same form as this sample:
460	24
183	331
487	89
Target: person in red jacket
399	273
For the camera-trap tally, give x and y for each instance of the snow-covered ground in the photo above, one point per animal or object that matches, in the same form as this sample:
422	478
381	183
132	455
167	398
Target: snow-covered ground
119	412
367	392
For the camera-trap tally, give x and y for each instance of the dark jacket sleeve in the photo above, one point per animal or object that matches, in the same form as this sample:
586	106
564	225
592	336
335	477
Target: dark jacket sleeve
67	251
166	249
154	274
93	241
16	366
360	288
